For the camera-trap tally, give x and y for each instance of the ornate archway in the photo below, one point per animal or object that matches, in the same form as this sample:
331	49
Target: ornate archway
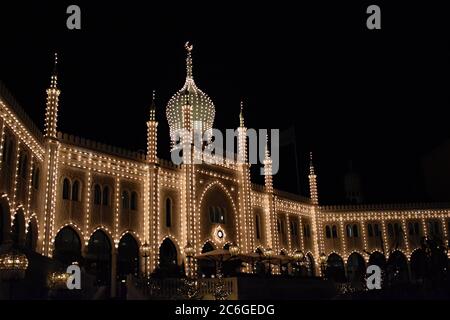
356	269
18	228
5	220
98	258
67	247
128	257
335	269
397	268
168	260
378	259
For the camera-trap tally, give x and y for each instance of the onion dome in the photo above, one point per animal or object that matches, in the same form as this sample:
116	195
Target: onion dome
203	110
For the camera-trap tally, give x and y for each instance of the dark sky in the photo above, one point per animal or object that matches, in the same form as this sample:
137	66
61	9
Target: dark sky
379	97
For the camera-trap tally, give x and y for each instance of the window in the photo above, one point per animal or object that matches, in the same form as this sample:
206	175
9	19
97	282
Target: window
105	196
217	215
168	213
282	227
294	226
76	191
355	231
257	226
66	189
23	166
349	231
97	195
308	231
416	228
125	200
35	178
370	230
9	153
397	229
134	201
376	230
328	232
334	232
410	229
390	230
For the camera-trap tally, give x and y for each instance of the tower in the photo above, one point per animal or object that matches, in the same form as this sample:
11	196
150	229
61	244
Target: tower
272	239
51	161
313	182
51	114
152	133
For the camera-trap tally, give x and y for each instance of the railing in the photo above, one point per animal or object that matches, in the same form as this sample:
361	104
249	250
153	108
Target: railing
172	288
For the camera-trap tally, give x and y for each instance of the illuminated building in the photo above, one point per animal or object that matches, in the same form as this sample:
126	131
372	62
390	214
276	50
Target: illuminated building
65	197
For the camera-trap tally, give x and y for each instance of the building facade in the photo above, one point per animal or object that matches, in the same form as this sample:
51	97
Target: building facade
72	198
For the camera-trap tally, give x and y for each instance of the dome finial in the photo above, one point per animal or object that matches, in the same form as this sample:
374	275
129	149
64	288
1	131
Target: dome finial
188	48
54	78
153	107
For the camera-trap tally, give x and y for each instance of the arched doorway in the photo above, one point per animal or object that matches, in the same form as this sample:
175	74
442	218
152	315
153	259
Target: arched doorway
67	248
32	235
310	265
168	260
207	268
18	229
356	269
378	259
5	220
335	268
397	268
128	257
98	258
419	265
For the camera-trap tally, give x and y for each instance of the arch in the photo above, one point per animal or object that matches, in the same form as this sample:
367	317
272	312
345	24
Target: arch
18	228
168	259
328	232
98	258
229	211
5	219
397	267
334	232
76	191
66	189
419	265
356	269
378	259
32	234
128	256
67	246
335	269
310	266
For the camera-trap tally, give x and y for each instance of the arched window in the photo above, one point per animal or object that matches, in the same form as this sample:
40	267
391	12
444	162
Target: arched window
257	226
66	189
334	232
76	191
217	215
168	213
294	227
308	231
105	196
355	231
397	229
410	229
370	230
23	165
376	230
349	231
35	178
416	228
134	201
390	230
328	232
97	195
125	200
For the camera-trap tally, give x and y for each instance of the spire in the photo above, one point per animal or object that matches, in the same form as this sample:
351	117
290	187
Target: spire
311	164
266	149
188	48
54	77
153	108
241	115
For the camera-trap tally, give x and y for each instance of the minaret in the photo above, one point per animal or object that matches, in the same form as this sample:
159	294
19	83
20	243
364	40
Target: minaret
273	236
245	238
313	182
152	126
51	114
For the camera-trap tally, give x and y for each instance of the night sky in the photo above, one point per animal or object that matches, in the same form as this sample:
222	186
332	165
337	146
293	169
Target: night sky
379	98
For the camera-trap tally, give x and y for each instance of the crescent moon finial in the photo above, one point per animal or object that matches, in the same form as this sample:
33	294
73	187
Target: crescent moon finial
188	46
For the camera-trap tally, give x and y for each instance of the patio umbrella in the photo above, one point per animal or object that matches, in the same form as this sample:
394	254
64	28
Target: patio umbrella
215	255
